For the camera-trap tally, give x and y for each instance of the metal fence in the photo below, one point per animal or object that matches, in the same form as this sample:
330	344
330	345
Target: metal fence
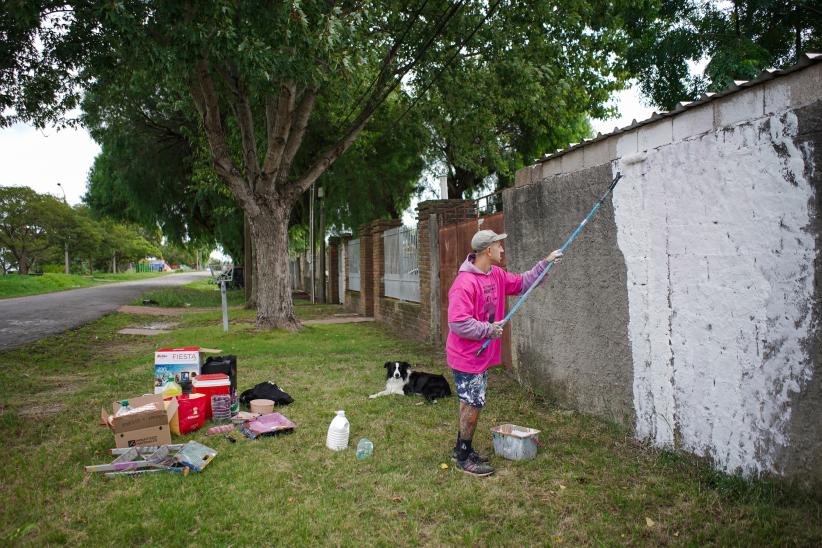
402	275
489	204
353	252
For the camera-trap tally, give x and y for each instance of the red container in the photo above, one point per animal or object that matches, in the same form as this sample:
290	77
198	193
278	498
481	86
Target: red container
211	385
190	415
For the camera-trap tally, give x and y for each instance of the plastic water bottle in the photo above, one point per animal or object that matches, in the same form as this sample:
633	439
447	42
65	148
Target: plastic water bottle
125	409
337	438
365	448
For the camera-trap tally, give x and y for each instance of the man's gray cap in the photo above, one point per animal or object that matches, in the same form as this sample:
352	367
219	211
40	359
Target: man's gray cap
484	238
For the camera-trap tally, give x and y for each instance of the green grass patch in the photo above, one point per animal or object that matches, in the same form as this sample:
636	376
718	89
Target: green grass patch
15	285
590	483
202	293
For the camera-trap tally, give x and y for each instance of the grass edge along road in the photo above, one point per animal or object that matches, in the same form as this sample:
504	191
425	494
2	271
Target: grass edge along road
590	483
15	285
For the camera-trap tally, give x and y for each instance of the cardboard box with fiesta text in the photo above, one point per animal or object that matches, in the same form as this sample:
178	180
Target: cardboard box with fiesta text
147	427
181	365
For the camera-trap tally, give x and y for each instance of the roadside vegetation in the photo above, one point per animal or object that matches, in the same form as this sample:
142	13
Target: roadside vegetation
590	483
202	293
16	285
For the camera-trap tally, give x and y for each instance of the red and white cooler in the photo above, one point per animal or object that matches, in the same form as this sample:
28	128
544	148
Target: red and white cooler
211	385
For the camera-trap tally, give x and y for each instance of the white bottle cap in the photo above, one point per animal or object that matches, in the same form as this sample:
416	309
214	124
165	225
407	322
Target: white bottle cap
340	413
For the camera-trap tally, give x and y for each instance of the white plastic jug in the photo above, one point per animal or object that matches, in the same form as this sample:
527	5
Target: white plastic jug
337	438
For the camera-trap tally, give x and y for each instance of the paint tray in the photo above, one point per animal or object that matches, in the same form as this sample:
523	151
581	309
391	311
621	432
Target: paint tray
515	442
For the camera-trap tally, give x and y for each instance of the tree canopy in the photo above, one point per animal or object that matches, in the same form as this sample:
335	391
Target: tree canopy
739	39
524	85
35	229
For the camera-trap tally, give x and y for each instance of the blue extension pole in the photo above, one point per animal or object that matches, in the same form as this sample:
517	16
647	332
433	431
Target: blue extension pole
570	239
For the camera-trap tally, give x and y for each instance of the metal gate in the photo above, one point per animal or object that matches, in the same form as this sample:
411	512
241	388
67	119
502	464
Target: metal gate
455	245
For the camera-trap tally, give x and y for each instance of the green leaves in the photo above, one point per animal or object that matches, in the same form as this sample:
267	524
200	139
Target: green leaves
739	39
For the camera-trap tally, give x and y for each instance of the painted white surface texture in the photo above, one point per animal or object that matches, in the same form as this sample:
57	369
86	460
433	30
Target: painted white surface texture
719	259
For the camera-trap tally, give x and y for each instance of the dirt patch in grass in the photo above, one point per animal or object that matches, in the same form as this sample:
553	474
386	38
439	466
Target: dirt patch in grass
122	349
159	311
43	410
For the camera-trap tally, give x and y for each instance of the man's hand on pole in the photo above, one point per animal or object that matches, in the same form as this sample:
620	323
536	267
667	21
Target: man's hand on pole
555	256
497	330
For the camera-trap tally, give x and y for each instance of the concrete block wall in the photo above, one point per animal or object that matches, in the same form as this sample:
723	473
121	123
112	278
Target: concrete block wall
689	308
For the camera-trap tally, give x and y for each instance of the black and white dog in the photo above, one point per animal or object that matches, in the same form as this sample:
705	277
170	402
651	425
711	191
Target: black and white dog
401	380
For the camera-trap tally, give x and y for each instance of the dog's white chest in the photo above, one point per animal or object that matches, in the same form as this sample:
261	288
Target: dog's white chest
394	386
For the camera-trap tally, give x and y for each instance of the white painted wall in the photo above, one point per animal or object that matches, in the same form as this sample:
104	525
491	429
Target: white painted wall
714	230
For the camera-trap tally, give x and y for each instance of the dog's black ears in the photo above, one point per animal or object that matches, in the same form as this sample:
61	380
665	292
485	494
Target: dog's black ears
406	364
387	365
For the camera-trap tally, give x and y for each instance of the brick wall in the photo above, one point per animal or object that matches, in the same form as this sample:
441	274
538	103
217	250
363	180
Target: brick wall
403	317
352	301
417	320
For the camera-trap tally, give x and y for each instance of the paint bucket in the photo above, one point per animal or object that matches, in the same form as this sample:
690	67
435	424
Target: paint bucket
261	406
515	442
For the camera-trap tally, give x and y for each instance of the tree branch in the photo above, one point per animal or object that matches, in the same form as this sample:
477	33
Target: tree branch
330	156
300	122
245	121
278	126
207	103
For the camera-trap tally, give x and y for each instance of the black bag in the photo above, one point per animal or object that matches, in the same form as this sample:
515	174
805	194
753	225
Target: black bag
266	391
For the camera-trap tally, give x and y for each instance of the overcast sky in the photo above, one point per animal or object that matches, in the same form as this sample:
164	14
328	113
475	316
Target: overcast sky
42	158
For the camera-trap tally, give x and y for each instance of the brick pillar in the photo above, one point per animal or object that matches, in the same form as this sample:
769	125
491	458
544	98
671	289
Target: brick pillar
431	216
336	248
378	256
366	307
333	269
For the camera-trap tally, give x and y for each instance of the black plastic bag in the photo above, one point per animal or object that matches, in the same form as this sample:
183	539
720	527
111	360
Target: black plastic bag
266	391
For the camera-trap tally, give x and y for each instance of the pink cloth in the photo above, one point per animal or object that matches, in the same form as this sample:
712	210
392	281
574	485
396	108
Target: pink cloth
476	296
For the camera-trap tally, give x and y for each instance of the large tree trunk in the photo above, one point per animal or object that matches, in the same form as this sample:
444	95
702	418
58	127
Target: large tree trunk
269	231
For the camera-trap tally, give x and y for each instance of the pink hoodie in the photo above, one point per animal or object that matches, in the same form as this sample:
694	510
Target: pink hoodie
475	300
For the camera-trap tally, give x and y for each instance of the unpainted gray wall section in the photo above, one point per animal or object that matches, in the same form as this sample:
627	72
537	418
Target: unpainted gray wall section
801	459
570	339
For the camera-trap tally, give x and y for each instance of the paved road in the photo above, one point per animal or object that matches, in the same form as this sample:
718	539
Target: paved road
26	319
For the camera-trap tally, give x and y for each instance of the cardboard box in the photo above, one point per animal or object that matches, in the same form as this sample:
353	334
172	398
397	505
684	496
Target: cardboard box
179	364
149	427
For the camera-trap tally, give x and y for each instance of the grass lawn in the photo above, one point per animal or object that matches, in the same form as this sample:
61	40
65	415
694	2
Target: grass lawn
13	285
590	484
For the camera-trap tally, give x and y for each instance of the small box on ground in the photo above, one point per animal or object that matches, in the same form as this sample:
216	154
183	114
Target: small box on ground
146	425
181	365
515	442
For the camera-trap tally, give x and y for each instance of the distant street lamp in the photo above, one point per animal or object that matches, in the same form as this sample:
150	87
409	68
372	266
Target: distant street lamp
65	242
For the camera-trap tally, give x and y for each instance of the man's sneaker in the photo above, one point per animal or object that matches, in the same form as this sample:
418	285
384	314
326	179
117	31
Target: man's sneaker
473	468
472	456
